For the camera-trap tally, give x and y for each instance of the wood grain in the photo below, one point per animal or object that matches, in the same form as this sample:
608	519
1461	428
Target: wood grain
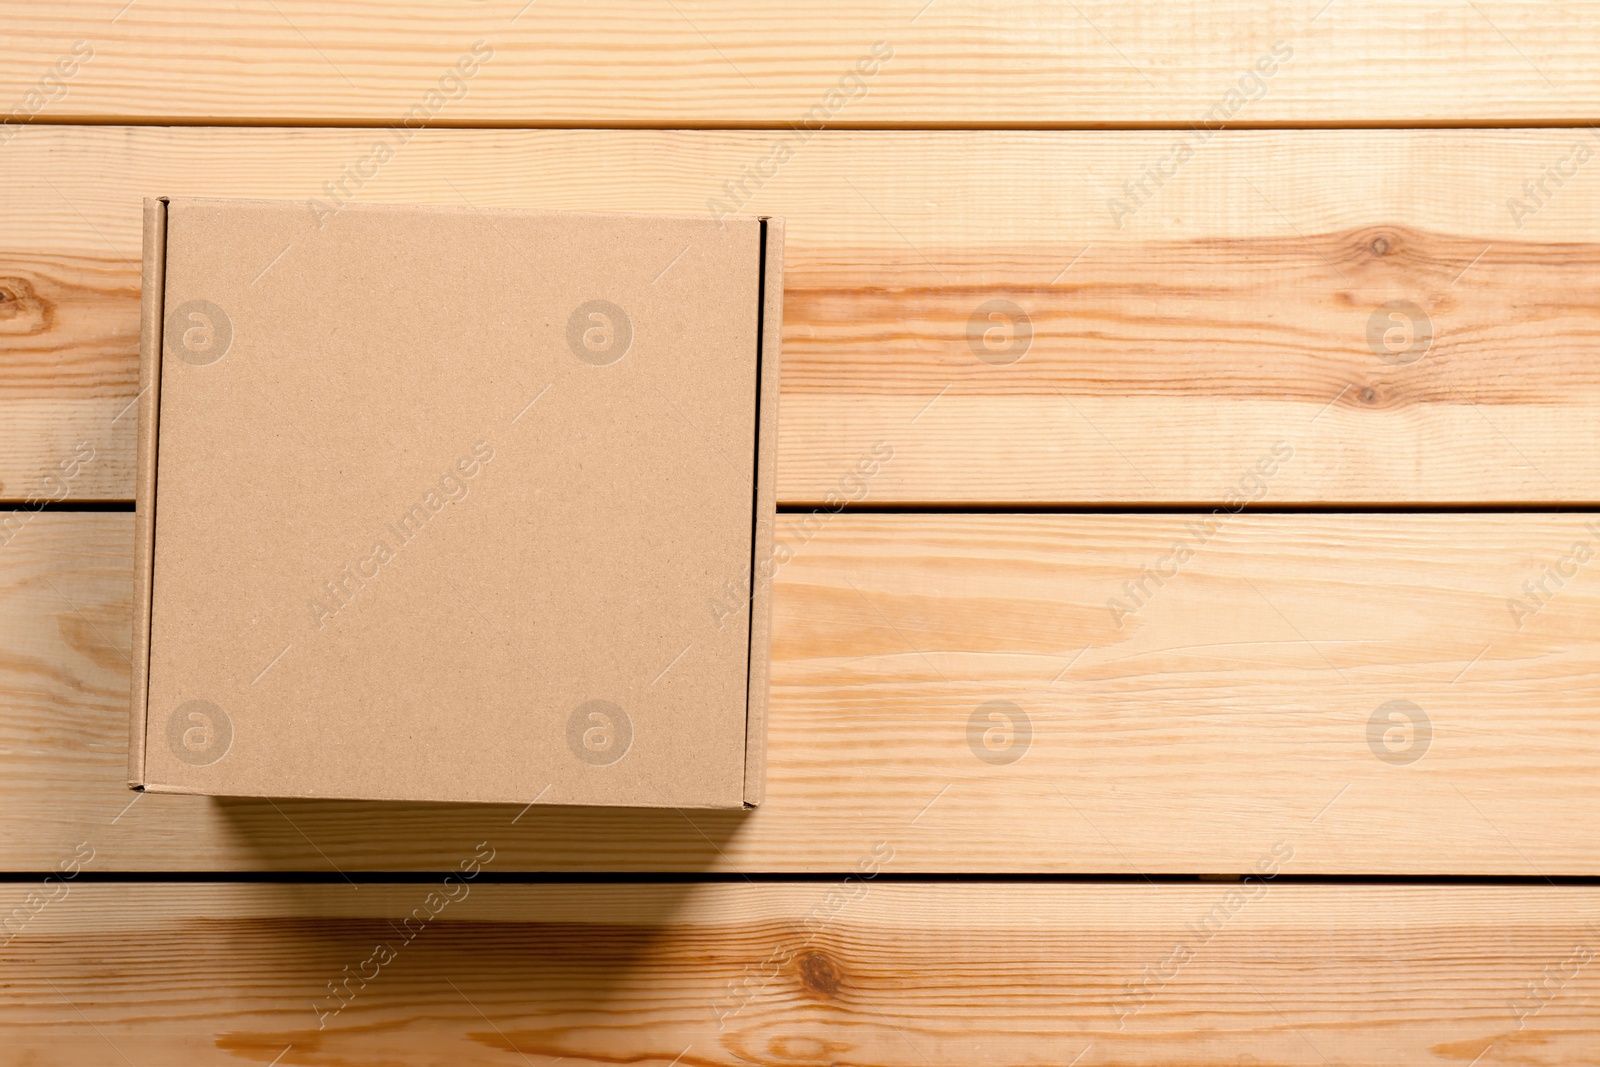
1246	702
69	340
1229	312
864	972
718	62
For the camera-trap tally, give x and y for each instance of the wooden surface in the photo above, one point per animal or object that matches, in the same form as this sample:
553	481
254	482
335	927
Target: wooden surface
1229	313
1363	276
861	972
1233	709
703	62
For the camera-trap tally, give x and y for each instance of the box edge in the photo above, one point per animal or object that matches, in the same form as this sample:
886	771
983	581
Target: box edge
762	562
151	304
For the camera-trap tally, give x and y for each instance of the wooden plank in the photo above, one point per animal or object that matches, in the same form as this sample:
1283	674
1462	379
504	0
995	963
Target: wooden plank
1229	313
703	62
473	972
69	340
1250	699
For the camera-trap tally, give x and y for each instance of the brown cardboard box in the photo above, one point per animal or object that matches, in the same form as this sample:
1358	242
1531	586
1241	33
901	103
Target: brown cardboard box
457	505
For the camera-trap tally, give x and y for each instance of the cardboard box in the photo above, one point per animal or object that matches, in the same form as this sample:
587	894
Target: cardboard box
454	504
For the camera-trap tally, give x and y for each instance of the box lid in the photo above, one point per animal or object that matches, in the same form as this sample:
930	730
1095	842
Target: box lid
445	502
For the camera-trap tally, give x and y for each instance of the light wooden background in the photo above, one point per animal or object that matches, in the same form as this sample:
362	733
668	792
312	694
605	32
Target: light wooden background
1436	896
